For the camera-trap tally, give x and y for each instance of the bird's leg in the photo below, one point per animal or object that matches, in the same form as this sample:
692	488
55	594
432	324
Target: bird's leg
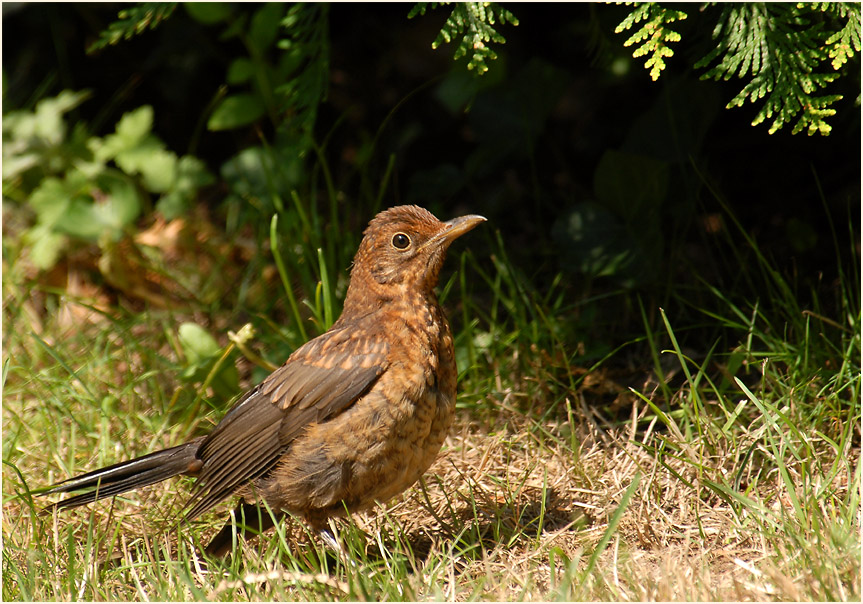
248	520
329	535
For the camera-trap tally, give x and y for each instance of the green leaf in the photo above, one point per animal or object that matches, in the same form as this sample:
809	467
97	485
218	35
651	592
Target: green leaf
202	354
620	234
240	71
118	206
136	150
157	166
247	172
172	205
135	125
197	343
45	245
191	174
51	199
593	239
13	165
472	21
45	123
132	130
123	205
235	111
844	43
304	66
265	25
80	220
208	13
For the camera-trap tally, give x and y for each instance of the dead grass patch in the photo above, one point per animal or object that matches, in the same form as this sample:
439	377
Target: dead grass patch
514	514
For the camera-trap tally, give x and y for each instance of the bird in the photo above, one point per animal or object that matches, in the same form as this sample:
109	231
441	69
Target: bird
354	416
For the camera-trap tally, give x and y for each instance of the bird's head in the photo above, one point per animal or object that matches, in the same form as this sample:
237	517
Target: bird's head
402	251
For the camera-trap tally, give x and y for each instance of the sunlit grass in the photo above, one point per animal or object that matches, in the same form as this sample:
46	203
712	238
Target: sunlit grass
722	469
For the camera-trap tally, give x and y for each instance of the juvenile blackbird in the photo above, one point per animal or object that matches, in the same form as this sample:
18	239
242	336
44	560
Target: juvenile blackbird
354	416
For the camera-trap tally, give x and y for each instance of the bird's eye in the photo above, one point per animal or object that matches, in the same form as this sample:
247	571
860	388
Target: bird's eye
401	241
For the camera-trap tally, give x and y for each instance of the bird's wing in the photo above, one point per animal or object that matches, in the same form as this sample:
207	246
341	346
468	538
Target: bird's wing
321	379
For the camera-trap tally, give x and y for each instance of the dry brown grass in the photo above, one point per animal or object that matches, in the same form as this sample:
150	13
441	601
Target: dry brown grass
515	507
513	513
673	542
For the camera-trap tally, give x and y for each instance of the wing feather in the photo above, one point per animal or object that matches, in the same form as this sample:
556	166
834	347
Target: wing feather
320	380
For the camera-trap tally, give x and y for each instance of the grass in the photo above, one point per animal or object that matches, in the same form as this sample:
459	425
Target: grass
724	471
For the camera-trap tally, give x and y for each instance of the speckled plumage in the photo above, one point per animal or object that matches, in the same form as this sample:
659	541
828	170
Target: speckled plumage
354	416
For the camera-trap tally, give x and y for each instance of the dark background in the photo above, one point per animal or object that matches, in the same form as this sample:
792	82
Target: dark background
562	93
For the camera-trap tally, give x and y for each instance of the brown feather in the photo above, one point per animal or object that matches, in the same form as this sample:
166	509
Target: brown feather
257	431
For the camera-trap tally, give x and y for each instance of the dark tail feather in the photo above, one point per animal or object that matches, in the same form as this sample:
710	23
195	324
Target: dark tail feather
128	475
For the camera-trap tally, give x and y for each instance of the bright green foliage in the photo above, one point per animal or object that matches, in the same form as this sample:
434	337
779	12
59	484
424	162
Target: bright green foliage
473	21
782	46
138	152
654	36
86	188
133	21
35	139
842	44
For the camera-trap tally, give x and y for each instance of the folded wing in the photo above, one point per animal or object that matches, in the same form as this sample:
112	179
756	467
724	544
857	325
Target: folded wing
320	380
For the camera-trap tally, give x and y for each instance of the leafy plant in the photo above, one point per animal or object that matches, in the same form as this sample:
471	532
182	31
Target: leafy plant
306	61
206	361
781	46
253	77
133	21
287	88
843	43
283	78
655	34
620	233
472	21
85	188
